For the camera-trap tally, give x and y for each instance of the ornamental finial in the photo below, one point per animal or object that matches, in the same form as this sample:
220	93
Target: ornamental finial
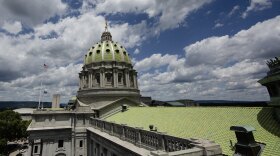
106	35
106	26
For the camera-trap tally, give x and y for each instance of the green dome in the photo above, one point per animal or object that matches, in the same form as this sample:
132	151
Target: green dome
107	50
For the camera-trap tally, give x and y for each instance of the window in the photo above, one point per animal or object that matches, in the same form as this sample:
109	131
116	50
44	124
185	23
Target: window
124	53
35	149
97	77
99	45
105	151
81	143
92	47
117	51
98	51
90	53
120	77
108	77
107	45
107	50
60	143
115	45
121	46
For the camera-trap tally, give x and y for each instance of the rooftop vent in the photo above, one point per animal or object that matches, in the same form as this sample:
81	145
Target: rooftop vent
124	108
246	144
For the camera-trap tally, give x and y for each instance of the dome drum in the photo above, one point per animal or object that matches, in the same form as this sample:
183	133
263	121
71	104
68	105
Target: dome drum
108	77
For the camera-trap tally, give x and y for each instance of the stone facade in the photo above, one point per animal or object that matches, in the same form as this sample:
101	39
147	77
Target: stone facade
58	133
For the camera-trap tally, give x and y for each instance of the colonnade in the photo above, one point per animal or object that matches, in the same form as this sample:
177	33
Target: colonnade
113	78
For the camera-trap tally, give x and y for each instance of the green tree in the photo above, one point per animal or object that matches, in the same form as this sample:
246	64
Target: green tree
12	127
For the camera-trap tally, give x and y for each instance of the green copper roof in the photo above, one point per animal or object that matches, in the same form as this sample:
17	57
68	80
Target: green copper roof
107	51
207	122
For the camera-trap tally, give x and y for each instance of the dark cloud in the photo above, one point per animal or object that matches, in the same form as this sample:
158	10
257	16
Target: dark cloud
8	75
30	12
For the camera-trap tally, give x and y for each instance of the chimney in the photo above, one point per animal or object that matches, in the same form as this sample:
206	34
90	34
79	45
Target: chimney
56	101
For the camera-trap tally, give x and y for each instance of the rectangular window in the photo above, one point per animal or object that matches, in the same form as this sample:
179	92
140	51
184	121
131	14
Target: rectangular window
36	149
81	143
60	143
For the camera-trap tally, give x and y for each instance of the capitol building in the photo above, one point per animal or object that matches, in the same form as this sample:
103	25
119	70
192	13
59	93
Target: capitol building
107	118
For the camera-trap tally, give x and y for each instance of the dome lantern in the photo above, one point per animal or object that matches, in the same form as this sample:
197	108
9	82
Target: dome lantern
106	35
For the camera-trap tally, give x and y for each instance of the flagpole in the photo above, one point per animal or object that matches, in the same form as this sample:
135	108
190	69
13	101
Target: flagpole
39	105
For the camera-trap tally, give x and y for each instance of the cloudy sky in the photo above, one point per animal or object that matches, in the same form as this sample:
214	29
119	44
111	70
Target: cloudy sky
194	49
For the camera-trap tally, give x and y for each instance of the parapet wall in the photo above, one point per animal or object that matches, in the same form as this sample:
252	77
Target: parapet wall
156	141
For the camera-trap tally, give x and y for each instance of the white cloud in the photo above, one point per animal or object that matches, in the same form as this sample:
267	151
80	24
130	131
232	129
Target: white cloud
168	13
244	68
257	5
225	67
258	42
217	25
136	51
211	68
12	27
155	61
58	45
234	10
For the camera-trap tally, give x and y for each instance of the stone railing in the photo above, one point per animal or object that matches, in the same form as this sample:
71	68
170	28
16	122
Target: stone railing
150	140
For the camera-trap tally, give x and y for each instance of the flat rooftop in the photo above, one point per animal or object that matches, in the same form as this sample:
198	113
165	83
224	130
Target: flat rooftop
211	123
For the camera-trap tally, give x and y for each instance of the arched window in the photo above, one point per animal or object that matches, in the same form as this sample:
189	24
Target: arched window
119	77
97	78
98	51
107	50
108	77
90	53
131	79
117	51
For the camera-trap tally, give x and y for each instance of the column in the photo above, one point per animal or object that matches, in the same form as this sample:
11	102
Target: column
127	79
83	81
86	80
115	78
90	80
135	80
102	78
80	82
